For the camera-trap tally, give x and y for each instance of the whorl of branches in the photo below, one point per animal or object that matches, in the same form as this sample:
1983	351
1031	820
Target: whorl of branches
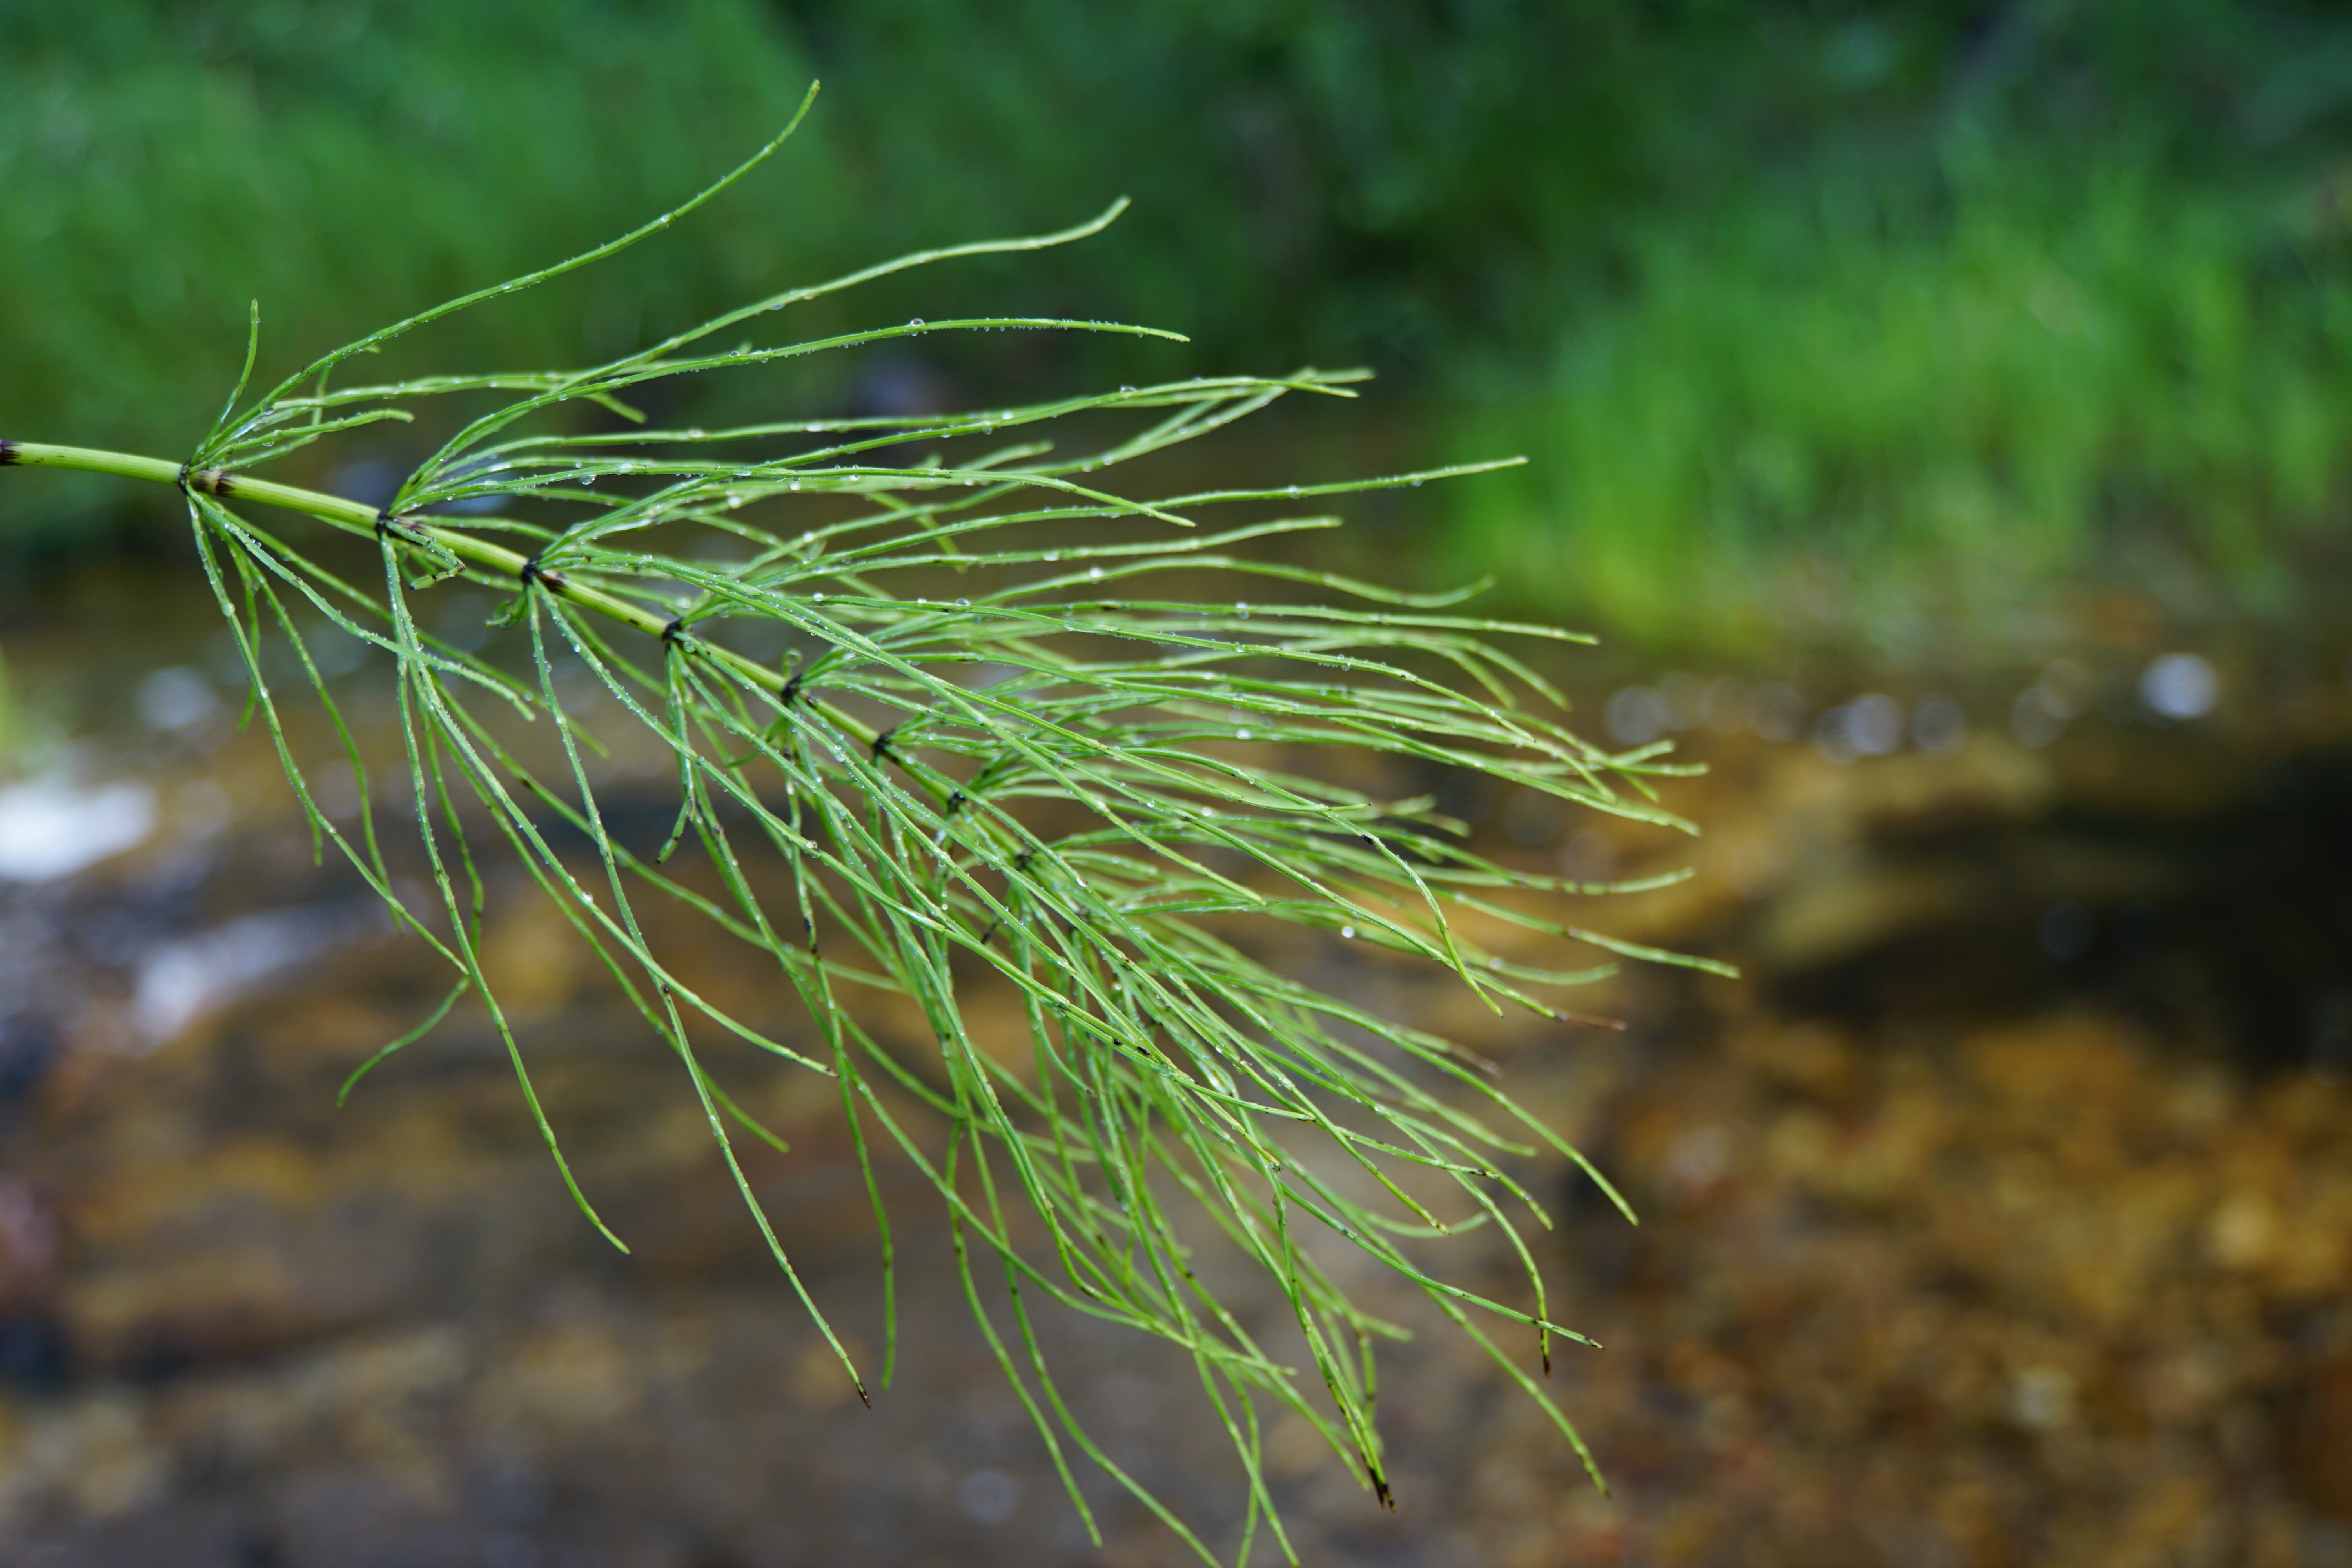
1054	783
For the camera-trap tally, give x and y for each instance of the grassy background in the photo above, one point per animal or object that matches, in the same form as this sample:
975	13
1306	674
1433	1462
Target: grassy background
1887	418
1917	306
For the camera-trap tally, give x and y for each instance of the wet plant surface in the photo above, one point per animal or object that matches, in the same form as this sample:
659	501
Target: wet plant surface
2002	1214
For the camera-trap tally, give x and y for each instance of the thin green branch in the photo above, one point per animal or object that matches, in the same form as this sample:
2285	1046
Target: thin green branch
997	759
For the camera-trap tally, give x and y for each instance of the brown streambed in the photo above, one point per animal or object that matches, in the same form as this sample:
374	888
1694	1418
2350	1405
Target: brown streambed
1973	1234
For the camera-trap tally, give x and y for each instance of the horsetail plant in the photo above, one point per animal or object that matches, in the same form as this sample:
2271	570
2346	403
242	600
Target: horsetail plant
1055	789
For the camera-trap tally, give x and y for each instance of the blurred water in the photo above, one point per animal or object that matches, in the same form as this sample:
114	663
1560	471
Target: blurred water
54	827
2004	1211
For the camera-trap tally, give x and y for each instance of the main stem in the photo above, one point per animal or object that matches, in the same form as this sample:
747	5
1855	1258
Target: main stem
352	517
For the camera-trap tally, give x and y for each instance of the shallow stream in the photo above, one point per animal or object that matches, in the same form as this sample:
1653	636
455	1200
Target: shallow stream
2002	1214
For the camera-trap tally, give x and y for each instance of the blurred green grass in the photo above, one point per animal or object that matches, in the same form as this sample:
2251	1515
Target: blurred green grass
1930	303
1916	416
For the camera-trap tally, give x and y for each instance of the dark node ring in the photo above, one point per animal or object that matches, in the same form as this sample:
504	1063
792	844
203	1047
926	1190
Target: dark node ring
533	572
675	633
882	742
955	802
183	480
386	521
791	689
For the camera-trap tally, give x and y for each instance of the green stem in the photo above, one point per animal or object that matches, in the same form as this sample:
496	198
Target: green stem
352	517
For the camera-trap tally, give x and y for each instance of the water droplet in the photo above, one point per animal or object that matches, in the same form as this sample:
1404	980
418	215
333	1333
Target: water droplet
1416	484
963	604
1126	391
1294	489
1095	572
916	321
1494	963
1241	609
1053	555
1244	735
693	434
1348	931
796	484
819	597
